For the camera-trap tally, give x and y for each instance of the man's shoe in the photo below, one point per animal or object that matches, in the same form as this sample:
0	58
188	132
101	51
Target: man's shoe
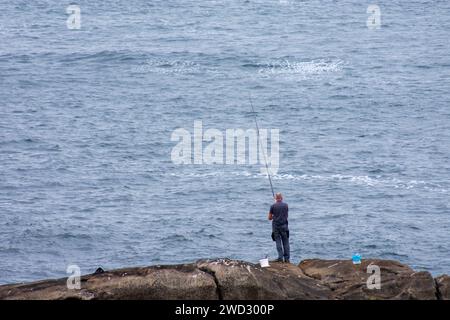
277	260
287	261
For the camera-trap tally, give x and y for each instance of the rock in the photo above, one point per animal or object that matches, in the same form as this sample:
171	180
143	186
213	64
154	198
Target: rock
238	280
167	282
231	279
443	287
349	281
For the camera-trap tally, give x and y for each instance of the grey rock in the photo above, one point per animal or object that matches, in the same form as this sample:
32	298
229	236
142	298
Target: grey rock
166	282
241	280
443	287
349	281
232	279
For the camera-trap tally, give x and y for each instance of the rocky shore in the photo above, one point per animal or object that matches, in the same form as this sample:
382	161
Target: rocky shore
231	279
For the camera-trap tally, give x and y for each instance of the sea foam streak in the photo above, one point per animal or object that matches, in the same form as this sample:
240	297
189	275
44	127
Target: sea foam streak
362	180
302	68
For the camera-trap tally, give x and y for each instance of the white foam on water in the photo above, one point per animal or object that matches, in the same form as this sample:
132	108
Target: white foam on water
376	181
302	68
169	67
362	180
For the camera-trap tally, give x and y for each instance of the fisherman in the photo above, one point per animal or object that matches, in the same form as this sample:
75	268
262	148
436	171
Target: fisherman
280	231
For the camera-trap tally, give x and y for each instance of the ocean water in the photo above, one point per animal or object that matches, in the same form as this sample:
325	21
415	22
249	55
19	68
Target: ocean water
86	118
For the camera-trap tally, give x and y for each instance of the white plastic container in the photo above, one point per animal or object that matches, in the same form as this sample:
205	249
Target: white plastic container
264	263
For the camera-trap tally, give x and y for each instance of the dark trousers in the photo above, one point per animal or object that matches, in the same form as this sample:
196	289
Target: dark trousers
281	236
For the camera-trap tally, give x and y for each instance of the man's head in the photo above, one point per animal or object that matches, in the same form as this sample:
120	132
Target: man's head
278	197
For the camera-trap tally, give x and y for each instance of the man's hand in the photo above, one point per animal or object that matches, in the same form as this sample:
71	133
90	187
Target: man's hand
270	216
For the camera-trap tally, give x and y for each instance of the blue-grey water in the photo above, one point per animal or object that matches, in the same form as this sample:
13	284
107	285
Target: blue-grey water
86	118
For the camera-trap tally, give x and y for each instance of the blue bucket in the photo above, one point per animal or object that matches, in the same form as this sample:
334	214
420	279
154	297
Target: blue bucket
356	258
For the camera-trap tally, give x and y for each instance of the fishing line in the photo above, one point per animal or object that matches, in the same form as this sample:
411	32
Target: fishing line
262	149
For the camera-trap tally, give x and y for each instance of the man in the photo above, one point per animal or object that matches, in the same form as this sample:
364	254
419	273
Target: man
279	216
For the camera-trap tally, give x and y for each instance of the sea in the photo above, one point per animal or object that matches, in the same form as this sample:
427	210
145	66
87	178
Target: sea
93	92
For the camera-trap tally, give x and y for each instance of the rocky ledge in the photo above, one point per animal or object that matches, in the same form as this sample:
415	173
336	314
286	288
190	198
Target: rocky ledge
232	279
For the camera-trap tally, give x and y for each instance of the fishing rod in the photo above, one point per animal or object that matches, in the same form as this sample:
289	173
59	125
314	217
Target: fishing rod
262	149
